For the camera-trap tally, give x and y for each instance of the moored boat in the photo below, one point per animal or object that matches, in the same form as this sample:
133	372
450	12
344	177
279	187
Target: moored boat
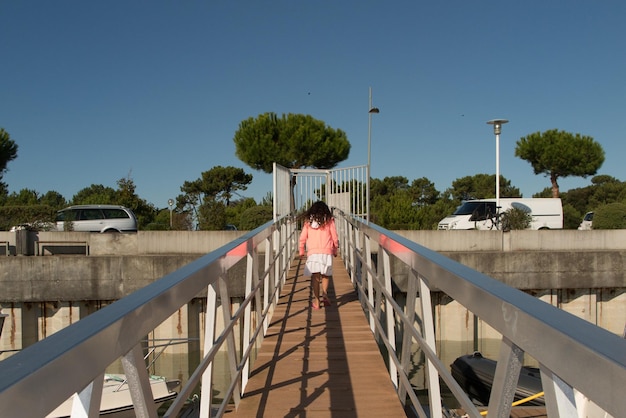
116	400
475	374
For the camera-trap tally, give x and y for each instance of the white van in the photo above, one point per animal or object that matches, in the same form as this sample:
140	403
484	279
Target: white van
97	218
547	213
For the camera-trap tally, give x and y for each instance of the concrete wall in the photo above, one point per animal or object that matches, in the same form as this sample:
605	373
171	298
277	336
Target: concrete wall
578	271
528	270
548	240
140	243
77	278
202	242
80	278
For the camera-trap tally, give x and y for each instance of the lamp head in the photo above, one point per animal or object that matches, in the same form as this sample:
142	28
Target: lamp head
497	125
374	110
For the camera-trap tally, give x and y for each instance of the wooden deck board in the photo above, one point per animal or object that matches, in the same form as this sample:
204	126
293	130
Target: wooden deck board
319	363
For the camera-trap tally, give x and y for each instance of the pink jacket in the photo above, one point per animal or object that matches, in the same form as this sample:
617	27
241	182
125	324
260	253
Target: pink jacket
319	240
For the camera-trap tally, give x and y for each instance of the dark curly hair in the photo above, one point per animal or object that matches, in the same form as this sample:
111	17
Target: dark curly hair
318	212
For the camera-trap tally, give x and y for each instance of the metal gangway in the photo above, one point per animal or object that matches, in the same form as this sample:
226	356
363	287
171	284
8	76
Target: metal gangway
580	363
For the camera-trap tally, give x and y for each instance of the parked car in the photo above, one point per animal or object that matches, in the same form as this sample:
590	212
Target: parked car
96	218
587	222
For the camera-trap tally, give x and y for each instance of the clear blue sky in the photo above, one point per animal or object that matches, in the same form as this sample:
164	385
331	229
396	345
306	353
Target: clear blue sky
94	91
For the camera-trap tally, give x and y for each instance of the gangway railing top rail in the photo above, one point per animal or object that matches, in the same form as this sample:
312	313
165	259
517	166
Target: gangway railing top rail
38	379
575	357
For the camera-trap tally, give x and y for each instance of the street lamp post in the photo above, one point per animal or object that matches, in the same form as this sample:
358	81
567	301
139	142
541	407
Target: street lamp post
497	128
170	203
371	111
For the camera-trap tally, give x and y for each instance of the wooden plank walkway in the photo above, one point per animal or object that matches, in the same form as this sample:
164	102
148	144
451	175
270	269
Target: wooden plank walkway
323	363
319	363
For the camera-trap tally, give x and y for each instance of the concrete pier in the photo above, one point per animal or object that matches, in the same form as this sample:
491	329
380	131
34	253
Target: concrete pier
42	294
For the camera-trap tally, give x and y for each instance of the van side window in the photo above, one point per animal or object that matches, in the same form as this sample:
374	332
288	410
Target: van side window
483	211
479	213
115	214
490	210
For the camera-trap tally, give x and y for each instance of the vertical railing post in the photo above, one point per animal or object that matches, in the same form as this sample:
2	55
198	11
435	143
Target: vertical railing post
559	396
505	379
276	263
370	279
428	332
139	383
409	312
247	317
87	402
358	264
389	315
268	281
352	254
206	394
230	337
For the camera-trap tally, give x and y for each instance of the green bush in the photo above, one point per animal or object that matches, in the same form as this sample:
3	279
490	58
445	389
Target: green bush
37	216
515	218
254	217
571	217
610	216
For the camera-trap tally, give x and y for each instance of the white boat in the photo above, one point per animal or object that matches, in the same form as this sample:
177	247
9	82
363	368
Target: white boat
116	401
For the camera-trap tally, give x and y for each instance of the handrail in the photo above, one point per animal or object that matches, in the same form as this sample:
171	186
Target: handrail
80	353
575	357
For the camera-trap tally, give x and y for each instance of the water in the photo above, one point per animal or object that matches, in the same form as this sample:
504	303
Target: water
181	366
448	351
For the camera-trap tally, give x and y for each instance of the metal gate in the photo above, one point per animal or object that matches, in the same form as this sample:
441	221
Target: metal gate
346	189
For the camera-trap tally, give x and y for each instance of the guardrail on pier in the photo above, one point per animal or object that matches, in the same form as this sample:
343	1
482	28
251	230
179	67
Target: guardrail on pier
36	380
579	361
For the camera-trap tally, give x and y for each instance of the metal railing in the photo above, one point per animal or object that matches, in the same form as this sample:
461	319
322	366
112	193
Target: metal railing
38	379
578	360
343	188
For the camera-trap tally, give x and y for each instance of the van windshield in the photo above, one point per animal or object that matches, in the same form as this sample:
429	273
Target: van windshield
468	208
479	210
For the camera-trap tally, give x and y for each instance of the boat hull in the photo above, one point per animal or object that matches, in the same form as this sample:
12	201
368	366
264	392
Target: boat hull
475	374
116	400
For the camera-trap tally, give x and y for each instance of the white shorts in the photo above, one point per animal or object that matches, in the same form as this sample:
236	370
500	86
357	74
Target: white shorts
319	263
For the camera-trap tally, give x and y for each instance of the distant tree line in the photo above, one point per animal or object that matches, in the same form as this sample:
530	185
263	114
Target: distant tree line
206	203
398	204
211	203
214	200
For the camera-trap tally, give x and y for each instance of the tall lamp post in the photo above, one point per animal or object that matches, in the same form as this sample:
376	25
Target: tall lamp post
497	128
371	111
170	203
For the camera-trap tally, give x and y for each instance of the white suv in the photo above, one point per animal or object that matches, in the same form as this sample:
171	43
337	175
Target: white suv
97	218
587	222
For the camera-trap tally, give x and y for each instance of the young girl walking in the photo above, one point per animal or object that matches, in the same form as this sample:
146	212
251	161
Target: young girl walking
319	237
